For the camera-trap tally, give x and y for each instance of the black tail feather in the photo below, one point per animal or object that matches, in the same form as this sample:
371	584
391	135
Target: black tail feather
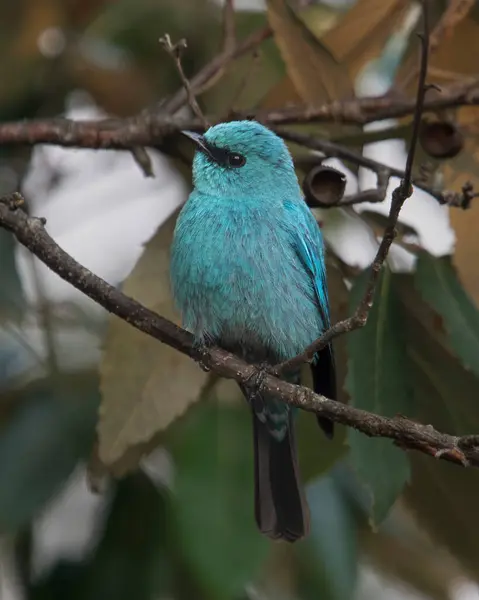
324	382
281	509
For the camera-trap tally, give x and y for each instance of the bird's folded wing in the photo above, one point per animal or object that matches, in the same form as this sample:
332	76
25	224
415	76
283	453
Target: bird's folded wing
308	243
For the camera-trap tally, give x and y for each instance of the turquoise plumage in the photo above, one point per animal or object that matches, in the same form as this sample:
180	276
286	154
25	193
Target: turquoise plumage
248	273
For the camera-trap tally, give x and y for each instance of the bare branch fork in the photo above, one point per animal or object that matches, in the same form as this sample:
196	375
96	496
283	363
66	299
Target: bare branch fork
31	233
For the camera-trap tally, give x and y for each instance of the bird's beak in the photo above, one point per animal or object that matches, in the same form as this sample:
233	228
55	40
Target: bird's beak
218	155
199	141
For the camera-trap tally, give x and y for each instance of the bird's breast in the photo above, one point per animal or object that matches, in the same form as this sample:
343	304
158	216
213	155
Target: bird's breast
237	280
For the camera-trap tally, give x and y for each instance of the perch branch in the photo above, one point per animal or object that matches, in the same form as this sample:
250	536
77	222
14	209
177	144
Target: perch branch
31	233
399	196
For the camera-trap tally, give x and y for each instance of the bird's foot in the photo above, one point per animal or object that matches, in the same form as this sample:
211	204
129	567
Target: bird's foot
255	381
201	349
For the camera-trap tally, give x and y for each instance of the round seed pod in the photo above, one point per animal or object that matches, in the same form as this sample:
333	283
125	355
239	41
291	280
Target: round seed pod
324	187
441	139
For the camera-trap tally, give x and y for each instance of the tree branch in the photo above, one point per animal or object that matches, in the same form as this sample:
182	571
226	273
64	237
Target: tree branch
362	111
152	130
400	195
330	149
31	233
150	127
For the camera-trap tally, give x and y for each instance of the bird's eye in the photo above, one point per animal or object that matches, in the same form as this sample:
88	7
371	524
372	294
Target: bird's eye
236	160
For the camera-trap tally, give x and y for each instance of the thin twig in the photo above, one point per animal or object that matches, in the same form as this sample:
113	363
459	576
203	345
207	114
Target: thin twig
332	149
143	160
175	51
229	27
209	71
399	196
31	233
375	196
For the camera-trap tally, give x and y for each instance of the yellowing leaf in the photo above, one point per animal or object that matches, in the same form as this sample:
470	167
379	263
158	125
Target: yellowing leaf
353	40
281	94
363	31
315	73
145	385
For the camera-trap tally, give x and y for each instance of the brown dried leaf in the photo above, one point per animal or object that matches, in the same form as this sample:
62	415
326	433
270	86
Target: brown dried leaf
453	38
145	385
456	11
281	94
315	73
353	40
363	31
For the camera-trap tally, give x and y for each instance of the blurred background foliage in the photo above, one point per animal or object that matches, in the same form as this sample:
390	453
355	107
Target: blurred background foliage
179	524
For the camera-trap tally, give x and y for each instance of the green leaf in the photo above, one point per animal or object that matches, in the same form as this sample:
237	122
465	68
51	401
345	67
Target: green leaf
212	450
145	385
328	558
12	298
131	560
51	429
438	284
378	382
445	393
442	497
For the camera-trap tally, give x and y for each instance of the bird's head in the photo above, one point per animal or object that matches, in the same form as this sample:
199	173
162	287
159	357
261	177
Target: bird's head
242	159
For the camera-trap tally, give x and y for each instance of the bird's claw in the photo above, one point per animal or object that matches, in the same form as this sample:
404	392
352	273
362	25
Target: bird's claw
255	381
201	349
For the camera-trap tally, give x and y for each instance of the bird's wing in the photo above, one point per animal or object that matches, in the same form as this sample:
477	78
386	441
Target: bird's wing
309	246
308	243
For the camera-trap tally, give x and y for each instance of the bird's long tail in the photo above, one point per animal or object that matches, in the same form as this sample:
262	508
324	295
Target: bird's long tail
281	509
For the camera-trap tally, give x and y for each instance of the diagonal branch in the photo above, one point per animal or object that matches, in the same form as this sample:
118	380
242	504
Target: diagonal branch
31	233
400	195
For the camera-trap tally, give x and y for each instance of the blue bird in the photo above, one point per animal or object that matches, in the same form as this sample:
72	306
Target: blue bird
248	274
